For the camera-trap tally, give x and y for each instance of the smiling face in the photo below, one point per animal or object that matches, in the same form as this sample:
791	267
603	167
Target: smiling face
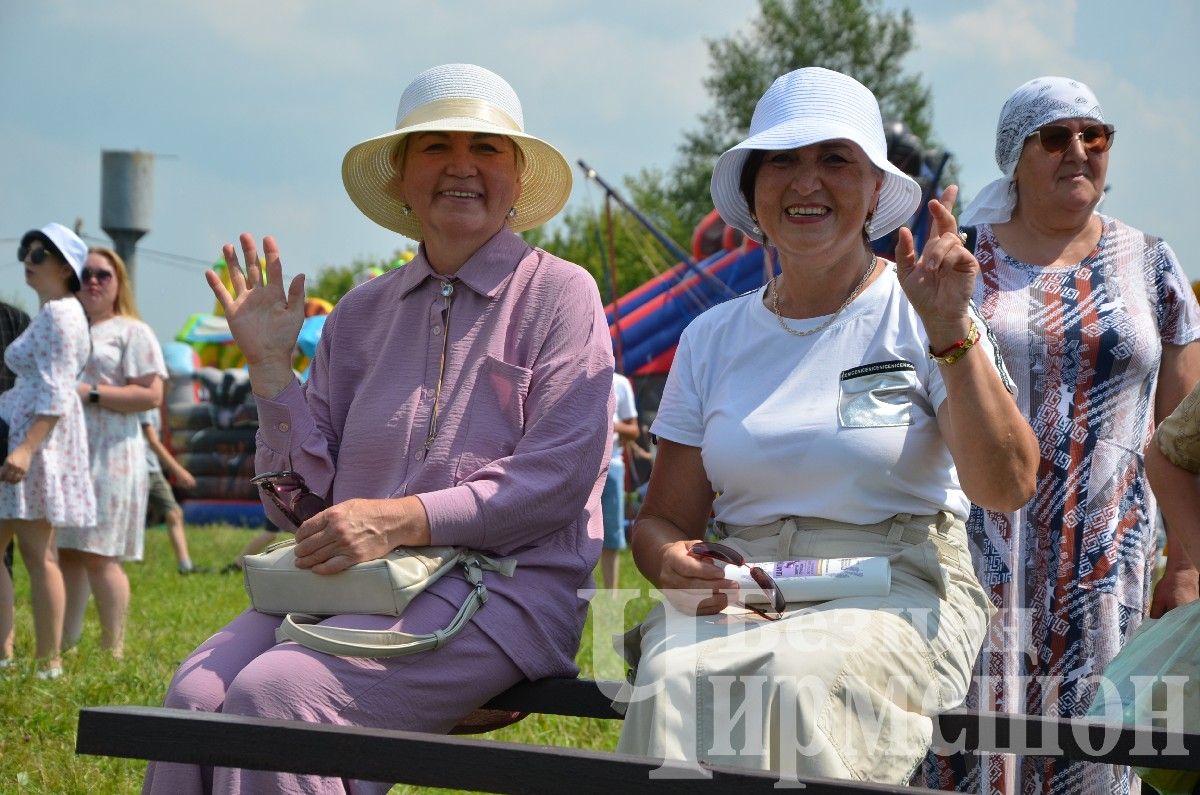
813	201
100	284
1072	180
460	186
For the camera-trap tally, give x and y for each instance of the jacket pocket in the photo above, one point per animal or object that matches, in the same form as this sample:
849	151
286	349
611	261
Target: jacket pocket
495	418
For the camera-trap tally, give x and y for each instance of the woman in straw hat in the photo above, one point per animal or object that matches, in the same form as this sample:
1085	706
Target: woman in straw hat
852	407
460	400
1099	328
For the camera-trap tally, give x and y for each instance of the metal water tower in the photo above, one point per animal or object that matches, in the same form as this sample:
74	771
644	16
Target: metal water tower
126	198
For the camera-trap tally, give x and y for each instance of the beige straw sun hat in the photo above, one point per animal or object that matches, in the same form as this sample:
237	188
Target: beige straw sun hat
455	98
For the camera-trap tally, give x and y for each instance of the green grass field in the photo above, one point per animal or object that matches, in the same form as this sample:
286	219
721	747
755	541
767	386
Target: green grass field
170	615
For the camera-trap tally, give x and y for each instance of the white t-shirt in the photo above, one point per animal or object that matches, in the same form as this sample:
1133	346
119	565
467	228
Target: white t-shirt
625	410
151	417
839	425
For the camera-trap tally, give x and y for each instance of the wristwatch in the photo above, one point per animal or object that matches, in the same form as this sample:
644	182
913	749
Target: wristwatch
94	394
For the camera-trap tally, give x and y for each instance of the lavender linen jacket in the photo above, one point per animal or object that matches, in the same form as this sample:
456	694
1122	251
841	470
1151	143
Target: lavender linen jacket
522	434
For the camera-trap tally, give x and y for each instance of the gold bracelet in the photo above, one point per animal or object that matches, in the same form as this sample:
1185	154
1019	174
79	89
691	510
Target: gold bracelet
957	350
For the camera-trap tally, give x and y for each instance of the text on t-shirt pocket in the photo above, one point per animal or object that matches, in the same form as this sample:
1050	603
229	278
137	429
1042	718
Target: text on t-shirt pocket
877	395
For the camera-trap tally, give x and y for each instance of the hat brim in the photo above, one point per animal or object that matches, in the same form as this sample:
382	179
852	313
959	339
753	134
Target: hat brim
369	172
899	197
46	240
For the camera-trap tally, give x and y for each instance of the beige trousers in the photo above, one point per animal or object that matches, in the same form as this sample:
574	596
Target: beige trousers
838	689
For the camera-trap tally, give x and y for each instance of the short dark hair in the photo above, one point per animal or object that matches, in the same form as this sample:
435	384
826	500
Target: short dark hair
47	243
74	284
750	169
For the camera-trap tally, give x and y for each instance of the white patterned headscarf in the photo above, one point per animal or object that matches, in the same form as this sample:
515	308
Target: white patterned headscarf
1041	101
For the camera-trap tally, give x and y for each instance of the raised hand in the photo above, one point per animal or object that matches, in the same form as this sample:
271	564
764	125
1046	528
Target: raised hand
940	283
263	319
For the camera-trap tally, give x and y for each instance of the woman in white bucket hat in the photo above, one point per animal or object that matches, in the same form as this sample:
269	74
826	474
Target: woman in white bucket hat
462	400
850	408
45	484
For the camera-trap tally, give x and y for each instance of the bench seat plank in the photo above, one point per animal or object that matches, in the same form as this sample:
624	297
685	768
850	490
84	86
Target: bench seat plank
577	698
172	735
1074	738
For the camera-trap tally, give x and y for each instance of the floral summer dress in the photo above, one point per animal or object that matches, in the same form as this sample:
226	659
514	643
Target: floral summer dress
122	349
1071	571
47	359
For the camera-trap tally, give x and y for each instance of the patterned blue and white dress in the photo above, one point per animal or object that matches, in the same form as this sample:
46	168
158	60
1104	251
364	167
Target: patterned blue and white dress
1071	571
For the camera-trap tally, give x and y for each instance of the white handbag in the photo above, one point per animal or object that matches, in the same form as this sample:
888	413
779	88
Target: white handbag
382	587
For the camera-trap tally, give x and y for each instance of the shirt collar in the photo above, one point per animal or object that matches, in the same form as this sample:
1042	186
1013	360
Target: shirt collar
485	272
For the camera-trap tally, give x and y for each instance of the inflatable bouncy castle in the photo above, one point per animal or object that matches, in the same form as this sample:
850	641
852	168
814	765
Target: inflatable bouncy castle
211	417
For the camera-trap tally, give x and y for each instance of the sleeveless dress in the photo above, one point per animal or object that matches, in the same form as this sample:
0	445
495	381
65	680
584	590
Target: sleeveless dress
1071	571
47	359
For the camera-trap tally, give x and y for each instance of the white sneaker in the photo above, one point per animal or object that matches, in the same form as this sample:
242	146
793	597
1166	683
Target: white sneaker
50	673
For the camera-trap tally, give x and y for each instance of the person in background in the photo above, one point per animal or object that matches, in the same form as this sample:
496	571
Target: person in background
464	399
161	500
12	322
262	539
124	377
612	501
44	480
1173	467
1098	326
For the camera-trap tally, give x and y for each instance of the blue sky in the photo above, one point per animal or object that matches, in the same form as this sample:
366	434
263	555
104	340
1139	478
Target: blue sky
249	107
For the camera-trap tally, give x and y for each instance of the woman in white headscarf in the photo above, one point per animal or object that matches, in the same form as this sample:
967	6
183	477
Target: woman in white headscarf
1097	324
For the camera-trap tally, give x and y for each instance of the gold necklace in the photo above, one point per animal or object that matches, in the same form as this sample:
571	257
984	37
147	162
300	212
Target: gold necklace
773	287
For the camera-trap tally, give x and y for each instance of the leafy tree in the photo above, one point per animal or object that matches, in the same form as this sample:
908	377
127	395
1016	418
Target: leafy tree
856	37
334	281
581	235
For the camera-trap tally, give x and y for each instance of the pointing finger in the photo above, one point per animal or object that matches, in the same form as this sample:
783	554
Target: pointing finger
906	252
949	197
940	210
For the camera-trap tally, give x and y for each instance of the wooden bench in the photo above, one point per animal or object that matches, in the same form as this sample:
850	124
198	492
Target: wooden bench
161	734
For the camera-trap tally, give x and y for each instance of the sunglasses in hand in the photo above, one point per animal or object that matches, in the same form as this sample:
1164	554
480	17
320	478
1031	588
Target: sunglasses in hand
287	492
722	554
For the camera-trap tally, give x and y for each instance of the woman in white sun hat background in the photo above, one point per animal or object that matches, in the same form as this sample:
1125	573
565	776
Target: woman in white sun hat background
45	483
852	407
463	399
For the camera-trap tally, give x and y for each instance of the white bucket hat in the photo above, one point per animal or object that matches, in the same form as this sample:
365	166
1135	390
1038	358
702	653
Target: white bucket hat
806	107
72	249
455	98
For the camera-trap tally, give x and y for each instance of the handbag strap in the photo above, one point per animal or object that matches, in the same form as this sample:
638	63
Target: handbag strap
345	642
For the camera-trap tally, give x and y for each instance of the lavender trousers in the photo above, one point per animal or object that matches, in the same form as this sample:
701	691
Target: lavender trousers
242	671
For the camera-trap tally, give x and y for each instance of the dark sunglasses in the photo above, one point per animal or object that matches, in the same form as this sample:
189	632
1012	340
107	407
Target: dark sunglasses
100	277
35	256
1055	138
724	554
287	492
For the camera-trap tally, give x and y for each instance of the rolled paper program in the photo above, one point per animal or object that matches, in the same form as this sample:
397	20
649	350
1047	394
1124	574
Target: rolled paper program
815	579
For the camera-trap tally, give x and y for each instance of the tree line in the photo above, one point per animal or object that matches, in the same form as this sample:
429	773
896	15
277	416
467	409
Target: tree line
857	37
